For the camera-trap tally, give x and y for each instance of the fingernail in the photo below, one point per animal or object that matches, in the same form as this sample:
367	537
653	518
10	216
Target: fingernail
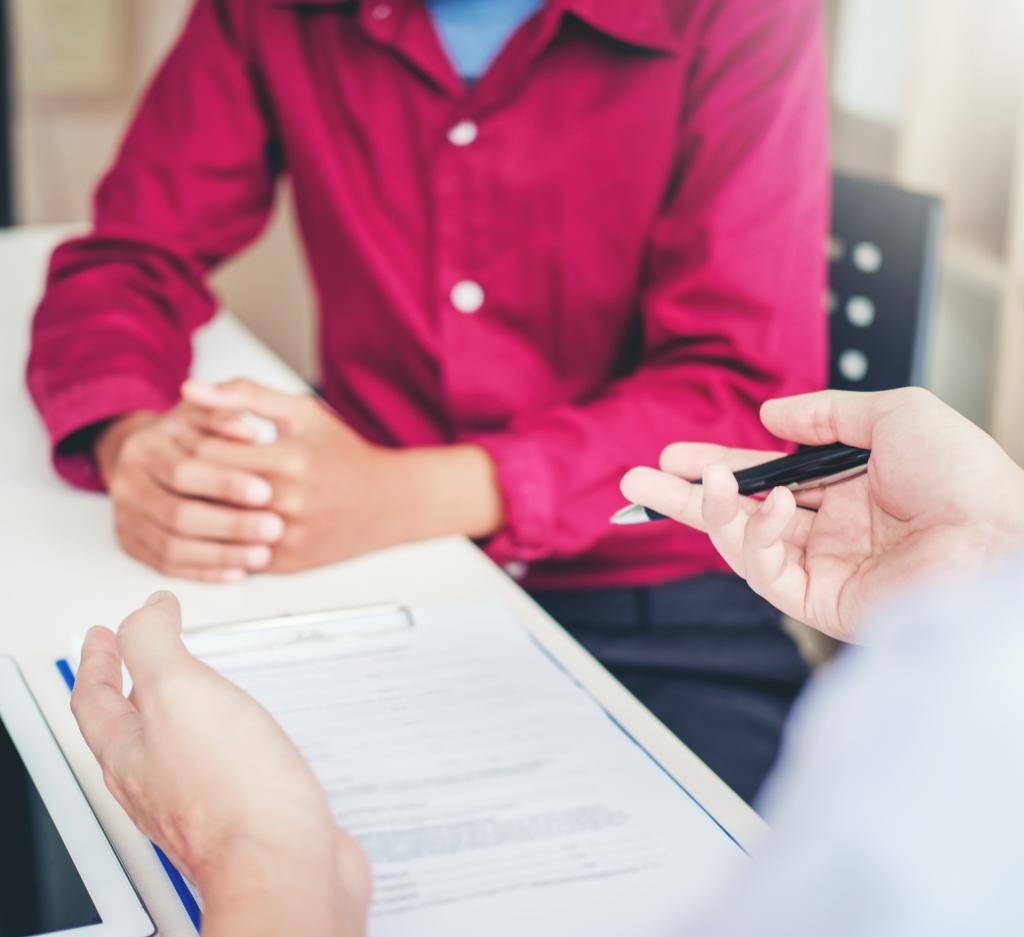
271	528
155	598
258	491
233	575
257	557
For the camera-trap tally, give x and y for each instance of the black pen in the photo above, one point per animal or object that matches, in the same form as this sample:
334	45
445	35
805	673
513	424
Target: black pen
815	467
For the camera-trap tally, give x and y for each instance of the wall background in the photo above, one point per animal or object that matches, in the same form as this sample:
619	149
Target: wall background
926	93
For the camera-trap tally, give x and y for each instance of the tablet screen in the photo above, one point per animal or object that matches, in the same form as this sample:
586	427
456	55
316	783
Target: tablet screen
40	890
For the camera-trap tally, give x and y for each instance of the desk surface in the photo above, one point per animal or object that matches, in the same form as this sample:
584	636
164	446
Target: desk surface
63	572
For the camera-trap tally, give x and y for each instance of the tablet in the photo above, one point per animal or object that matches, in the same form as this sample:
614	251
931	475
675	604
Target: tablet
58	872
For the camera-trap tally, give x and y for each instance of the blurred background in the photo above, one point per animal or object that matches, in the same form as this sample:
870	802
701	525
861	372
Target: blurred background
926	94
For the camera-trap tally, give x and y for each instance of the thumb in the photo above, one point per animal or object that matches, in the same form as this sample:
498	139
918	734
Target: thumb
150	639
244	395
830	416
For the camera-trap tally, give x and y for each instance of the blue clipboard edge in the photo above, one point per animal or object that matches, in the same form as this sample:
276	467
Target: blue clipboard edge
629	735
176	879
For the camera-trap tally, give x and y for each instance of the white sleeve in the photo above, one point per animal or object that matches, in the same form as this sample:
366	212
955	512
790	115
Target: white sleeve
897	805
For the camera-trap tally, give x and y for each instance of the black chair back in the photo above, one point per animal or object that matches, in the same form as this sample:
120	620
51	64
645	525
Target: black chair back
882	265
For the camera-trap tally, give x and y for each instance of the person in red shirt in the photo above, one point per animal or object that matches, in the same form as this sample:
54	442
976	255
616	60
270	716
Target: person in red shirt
527	284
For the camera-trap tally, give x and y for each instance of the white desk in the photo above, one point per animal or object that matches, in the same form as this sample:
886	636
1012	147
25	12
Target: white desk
63	571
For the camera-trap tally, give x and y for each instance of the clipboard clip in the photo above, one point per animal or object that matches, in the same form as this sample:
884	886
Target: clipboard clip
330	626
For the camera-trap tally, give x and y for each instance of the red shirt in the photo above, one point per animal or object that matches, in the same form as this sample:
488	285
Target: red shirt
614	240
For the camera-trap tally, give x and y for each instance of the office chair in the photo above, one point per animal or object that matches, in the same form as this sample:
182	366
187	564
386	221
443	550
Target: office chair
882	265
882	262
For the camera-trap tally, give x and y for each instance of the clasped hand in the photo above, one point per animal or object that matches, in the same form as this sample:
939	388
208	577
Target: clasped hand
196	496
335	492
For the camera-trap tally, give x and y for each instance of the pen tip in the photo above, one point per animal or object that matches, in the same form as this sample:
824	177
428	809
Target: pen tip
631	514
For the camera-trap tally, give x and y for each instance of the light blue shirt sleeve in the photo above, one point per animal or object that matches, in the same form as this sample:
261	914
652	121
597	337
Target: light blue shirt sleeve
897	809
473	32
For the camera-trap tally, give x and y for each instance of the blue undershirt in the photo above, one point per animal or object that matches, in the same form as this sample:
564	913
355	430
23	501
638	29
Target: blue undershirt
473	32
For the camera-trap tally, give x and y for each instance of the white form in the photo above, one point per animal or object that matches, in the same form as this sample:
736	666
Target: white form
490	791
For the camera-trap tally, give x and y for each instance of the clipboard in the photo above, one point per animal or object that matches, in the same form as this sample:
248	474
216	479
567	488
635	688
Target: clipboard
328	626
475	708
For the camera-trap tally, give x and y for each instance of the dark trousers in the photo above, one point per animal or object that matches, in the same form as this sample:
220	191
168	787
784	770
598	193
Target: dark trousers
706	655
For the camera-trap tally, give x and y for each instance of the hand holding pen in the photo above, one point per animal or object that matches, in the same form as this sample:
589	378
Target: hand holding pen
935	490
817	467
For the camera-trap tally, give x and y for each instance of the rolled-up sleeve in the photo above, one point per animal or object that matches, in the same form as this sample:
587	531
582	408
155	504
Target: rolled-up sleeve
732	300
192	184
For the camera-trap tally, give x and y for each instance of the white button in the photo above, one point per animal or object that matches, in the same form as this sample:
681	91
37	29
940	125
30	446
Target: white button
381	11
467	296
463	133
853	365
860	311
867	257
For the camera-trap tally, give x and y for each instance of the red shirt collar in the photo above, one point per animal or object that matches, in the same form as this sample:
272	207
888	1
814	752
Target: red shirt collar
641	23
